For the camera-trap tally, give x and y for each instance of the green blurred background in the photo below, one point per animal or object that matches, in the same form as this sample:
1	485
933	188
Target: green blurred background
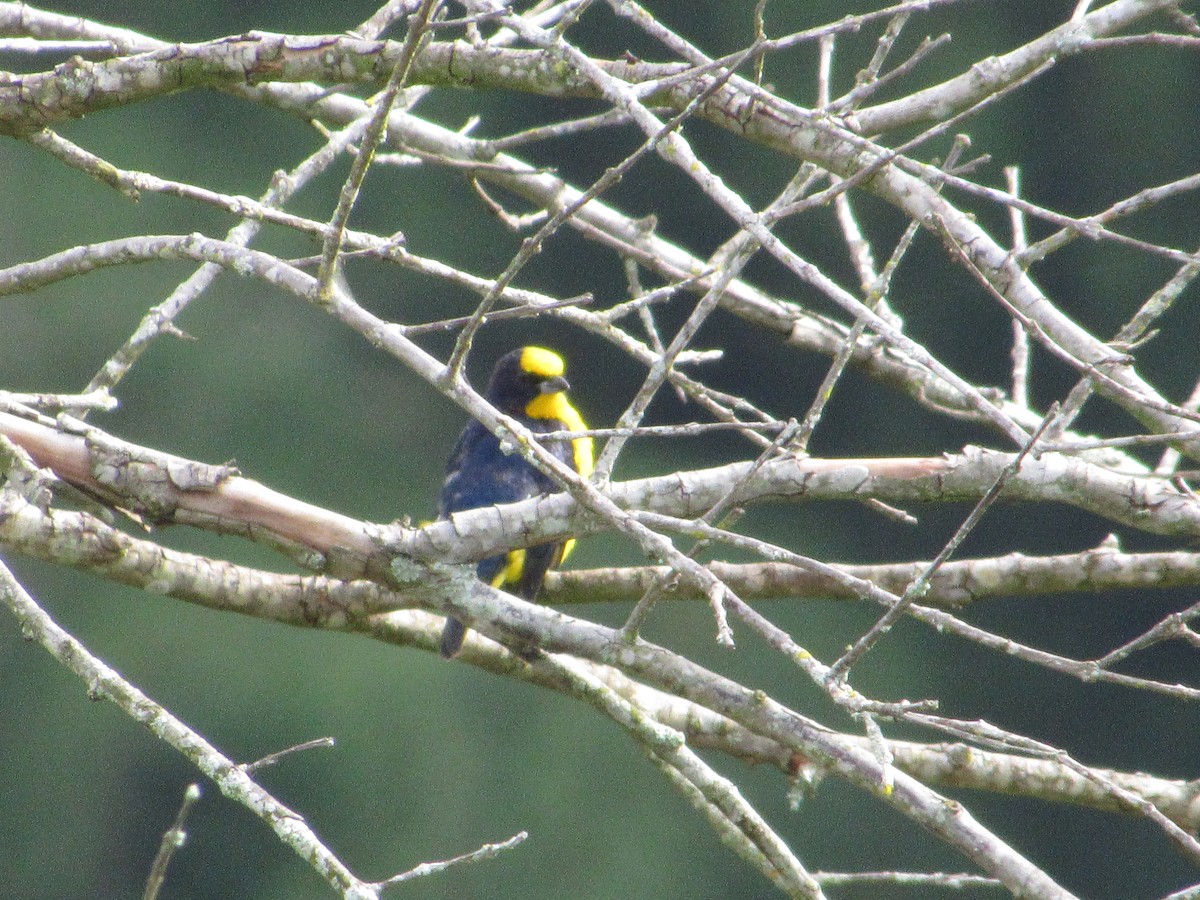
433	759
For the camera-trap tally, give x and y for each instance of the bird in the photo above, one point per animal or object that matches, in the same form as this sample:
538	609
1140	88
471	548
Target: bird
528	385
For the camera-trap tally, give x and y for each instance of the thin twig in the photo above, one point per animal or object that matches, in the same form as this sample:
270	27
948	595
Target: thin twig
372	135
1020	344
532	245
424	870
918	587
173	839
272	758
103	681
1156	305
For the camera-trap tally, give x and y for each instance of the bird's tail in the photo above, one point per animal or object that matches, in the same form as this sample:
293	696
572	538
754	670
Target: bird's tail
452	637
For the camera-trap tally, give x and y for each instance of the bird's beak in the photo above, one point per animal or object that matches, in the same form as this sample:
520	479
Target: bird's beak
554	385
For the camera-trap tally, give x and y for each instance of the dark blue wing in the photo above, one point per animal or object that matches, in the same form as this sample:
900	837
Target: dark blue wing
479	474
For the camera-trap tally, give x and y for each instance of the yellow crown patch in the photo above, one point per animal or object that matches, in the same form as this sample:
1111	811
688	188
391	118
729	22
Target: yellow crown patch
542	362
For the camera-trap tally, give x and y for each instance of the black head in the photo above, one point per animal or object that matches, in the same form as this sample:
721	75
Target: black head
523	375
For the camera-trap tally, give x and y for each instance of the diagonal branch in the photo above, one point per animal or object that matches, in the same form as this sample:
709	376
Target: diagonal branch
229	777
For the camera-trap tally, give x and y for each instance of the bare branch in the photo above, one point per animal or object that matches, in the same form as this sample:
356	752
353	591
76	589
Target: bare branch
229	778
